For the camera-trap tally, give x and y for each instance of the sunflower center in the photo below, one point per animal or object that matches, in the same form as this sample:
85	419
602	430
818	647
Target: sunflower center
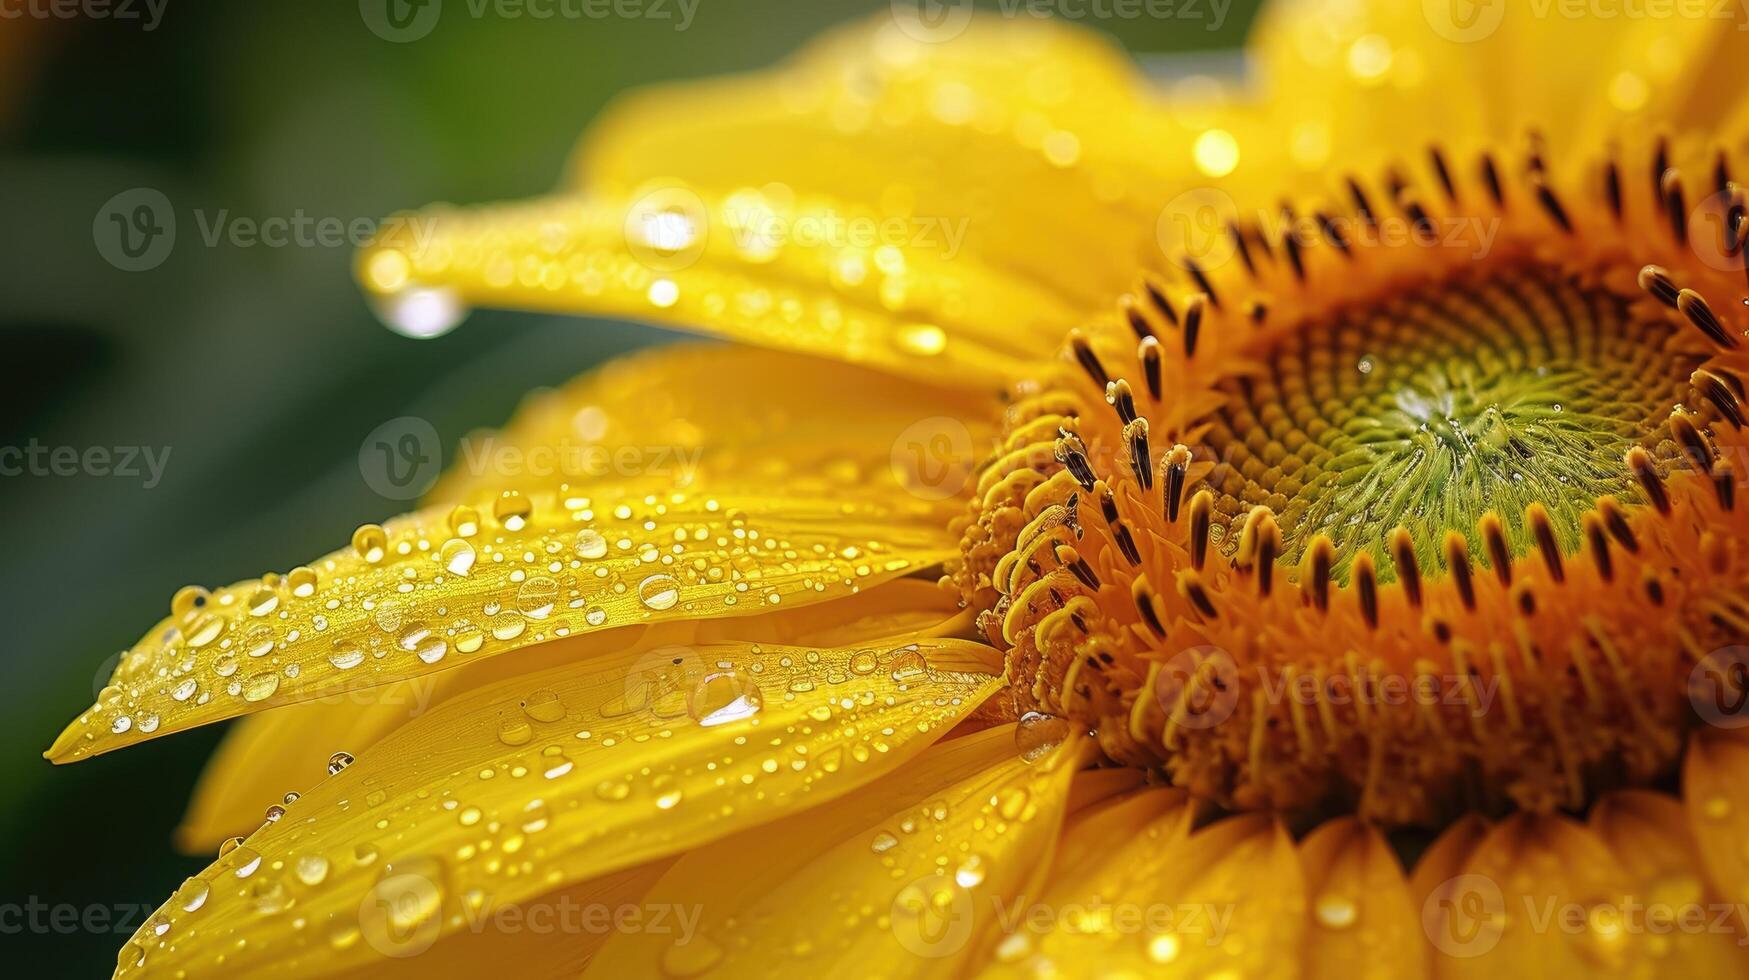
1380	527
1433	406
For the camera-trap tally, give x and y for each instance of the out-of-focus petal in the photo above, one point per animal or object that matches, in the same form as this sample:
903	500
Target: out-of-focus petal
809	207
1364	925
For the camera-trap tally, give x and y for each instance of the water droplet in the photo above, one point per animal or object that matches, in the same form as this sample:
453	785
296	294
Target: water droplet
515	731
274	812
1038	733
723	696
544	705
1336	911
590	544
263	601
193	894
536	597
345	656
924	339
421	312
1164	947
302	582
457	556
512	510
659	592
595	615
419	640
184	690
371	542
312	869
970	873
338	762
187	599
883	842
261	686
464	521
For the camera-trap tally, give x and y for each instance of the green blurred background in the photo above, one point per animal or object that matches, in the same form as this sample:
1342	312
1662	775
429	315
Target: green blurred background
260	368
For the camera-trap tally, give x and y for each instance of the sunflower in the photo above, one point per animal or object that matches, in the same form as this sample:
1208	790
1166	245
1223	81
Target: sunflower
1192	529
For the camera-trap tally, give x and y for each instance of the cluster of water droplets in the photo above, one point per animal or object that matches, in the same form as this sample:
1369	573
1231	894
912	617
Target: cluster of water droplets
436	586
585	756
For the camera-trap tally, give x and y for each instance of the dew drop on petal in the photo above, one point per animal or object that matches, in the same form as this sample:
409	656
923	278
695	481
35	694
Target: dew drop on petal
1038	733
457	556
312	869
261	686
338	762
723	696
659	592
591	544
544	705
370	542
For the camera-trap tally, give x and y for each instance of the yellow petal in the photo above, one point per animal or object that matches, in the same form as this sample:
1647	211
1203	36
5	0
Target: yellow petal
1716	795
533	783
728	418
265	753
1648	833
1363	922
441	586
1377	82
1135	892
1537	896
546	936
908	877
809	207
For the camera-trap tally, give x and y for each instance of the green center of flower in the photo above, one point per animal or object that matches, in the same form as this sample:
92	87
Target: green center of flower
1431	407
